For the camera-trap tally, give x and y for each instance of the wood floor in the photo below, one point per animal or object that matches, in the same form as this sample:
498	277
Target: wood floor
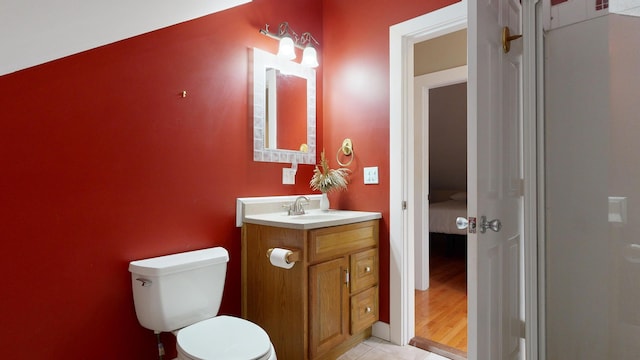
441	311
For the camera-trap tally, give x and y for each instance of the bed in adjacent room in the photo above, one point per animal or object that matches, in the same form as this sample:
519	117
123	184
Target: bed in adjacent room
445	207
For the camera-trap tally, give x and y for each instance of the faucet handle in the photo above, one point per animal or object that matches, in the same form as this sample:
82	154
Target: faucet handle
289	207
297	206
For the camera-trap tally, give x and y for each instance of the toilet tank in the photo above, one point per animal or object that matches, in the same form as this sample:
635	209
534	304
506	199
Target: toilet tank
174	291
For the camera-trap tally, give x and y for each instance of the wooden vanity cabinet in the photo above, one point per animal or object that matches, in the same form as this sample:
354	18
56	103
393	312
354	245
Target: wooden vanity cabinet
327	302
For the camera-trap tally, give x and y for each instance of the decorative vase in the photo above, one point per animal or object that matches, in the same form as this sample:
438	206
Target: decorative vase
324	202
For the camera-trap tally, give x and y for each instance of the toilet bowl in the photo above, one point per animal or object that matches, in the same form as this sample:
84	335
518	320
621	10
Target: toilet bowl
224	337
181	293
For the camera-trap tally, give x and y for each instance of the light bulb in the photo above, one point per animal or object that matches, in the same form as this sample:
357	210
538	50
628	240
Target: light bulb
287	49
310	57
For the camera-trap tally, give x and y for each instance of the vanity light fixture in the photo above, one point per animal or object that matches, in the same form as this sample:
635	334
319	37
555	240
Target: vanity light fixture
309	54
289	40
287	49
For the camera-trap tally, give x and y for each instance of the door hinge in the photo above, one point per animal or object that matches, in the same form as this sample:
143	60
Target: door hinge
404	205
517	188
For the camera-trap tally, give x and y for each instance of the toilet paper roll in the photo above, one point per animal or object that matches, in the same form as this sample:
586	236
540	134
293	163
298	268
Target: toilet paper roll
278	258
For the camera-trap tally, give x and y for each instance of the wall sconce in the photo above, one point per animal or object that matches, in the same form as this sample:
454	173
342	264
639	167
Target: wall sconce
309	54
289	40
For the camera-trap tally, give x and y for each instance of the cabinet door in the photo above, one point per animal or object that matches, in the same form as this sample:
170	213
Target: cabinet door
328	305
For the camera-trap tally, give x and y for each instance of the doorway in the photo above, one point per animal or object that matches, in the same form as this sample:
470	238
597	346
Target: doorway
486	282
403	36
441	169
441	281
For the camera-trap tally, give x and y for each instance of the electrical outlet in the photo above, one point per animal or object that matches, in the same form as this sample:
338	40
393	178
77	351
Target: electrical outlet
288	176
371	175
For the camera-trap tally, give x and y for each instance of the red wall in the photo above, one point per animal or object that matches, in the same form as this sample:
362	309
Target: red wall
291	104
356	101
103	162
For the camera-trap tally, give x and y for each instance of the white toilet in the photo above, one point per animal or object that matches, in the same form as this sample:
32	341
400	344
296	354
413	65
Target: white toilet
181	293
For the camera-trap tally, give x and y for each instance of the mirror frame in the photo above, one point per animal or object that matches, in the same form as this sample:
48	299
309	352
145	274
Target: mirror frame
262	61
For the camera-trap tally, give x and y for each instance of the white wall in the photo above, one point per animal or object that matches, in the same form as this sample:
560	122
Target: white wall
33	32
592	152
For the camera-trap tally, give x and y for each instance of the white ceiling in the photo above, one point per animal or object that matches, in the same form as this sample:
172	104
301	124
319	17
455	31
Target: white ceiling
33	32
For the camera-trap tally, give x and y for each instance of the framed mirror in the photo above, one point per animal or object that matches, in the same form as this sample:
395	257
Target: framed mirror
284	110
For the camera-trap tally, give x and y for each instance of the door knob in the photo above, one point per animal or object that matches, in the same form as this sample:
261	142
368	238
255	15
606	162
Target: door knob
462	223
494	224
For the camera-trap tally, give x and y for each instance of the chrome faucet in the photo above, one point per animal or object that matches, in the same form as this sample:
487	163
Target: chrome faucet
296	207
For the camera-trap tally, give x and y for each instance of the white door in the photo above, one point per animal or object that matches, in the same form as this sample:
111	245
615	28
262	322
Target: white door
494	133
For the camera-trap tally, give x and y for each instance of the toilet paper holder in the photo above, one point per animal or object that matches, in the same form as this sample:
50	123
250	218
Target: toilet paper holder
292	255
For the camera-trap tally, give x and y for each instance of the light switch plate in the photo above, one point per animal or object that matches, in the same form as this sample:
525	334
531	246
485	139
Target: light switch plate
288	176
371	175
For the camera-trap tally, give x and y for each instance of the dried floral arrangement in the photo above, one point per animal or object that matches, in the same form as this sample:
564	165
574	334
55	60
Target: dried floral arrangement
326	180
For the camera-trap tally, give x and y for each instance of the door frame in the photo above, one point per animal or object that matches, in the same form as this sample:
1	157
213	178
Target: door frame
401	183
534	191
402	37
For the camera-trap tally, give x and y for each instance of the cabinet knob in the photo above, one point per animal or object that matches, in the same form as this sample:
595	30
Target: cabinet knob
367	310
367	269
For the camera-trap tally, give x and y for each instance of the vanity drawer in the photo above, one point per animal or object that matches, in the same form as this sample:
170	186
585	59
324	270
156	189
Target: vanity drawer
331	242
364	309
364	270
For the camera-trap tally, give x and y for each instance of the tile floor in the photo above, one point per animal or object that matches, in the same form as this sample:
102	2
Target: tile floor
377	349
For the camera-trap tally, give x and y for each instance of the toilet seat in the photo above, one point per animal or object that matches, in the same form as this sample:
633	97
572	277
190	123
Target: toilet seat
224	337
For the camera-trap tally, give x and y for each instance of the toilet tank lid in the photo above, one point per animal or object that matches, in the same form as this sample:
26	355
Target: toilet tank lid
168	264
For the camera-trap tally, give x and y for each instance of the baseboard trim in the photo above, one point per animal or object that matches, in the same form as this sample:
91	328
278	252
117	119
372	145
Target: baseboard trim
381	330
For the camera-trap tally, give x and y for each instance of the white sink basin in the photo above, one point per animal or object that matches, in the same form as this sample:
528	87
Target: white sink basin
313	219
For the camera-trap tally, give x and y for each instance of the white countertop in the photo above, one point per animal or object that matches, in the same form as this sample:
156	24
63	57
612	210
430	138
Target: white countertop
312	219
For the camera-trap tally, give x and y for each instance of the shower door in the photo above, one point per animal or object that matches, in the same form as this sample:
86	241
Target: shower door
592	185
